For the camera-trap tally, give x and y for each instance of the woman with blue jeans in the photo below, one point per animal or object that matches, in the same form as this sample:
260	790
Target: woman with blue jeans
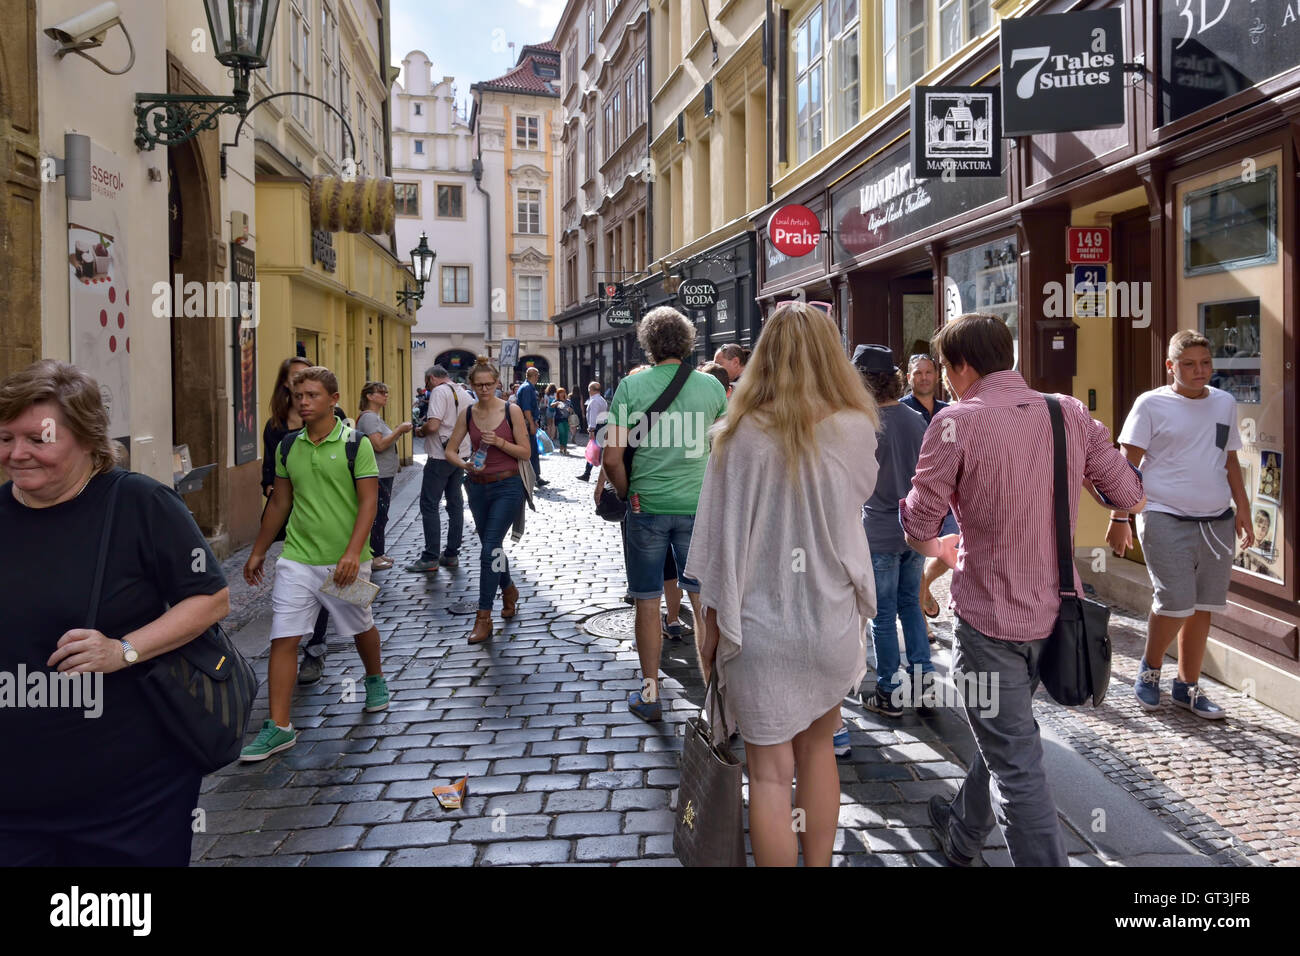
897	567
499	436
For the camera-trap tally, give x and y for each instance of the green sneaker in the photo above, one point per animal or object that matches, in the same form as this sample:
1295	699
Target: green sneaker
376	693
270	740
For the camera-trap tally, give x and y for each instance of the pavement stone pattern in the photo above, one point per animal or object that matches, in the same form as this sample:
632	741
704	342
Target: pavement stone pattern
561	774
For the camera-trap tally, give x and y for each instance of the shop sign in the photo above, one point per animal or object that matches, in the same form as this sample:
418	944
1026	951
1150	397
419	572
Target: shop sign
322	249
884	203
1212	49
721	315
955	132
619	313
243	270
794	230
697	294
1087	246
1063	72
509	352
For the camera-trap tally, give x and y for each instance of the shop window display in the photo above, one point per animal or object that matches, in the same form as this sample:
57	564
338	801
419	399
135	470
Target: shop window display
985	279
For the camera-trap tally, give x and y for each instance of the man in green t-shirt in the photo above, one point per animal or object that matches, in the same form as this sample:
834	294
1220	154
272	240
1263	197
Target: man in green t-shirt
667	474
330	504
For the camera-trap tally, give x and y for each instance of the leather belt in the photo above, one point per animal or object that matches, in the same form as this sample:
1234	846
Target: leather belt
488	479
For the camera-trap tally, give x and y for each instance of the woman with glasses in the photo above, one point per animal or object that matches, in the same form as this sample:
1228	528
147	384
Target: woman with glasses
374	399
500	441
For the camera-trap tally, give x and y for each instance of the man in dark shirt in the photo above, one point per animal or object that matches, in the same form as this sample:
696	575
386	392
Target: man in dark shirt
923	379
529	405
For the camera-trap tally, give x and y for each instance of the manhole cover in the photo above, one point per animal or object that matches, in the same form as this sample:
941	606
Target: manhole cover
463	607
617	624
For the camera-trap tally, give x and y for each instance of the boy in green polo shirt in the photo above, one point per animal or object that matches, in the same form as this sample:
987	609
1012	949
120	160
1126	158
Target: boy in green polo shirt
330	508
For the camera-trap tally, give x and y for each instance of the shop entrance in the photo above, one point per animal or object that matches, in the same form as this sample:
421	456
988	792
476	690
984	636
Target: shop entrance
911	315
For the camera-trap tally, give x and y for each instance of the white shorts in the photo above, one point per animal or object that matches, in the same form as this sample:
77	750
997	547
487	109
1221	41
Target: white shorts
296	599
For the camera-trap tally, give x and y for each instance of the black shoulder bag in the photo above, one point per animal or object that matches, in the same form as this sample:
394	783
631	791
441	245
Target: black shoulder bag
710	826
1075	664
203	691
611	507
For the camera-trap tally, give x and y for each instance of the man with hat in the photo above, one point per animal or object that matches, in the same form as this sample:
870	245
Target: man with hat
897	567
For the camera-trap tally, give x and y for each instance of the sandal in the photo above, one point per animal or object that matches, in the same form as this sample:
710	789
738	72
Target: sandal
927	602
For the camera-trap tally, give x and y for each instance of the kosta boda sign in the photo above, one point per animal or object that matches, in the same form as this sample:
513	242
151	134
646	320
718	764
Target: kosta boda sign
794	230
1062	72
698	294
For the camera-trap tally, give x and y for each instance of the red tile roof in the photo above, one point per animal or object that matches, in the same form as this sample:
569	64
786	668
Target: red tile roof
526	77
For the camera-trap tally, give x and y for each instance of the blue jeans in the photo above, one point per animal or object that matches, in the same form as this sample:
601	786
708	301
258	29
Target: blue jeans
441	478
898	588
377	543
495	506
650	540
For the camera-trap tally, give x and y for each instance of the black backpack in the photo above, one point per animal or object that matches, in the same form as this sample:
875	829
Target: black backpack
350	446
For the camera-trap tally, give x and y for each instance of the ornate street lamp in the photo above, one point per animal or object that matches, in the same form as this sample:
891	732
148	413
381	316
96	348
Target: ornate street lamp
241	32
422	268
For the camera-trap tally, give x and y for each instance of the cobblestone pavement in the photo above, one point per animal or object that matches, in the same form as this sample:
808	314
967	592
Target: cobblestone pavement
1231	788
559	771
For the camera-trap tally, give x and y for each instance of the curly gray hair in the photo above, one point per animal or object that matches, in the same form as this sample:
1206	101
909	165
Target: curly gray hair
664	333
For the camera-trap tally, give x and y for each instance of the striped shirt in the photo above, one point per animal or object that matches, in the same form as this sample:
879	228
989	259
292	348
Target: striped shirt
990	457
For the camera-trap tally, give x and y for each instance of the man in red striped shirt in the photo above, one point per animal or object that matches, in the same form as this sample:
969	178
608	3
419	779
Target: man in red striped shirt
989	456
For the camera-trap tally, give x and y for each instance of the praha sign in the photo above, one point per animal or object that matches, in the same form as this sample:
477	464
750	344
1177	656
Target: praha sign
697	294
794	230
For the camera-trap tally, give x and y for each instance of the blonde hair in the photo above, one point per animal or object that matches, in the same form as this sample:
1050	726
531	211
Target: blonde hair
81	406
1186	339
797	373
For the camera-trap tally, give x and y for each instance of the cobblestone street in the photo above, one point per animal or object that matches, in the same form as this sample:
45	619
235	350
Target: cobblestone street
561	773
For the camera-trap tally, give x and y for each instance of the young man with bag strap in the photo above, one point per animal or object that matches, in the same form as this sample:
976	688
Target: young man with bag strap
327	486
990	458
441	480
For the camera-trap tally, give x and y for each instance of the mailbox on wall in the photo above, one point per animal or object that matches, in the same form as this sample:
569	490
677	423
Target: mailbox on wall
1055	349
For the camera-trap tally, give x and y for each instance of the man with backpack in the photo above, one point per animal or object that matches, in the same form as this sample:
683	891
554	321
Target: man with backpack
327	487
441	479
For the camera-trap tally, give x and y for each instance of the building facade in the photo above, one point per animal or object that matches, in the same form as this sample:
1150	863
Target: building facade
517	124
433	169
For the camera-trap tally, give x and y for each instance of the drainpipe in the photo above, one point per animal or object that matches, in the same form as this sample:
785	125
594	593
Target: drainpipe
649	138
477	166
767	104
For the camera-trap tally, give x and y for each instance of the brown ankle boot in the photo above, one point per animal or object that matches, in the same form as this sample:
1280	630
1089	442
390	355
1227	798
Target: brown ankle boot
509	598
482	627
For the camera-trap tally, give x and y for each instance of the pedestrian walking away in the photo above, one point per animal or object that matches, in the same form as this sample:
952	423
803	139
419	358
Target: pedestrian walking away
530	404
989	457
117	789
333	491
669	455
560	412
374	400
1184	438
796	451
496	439
597	412
440	479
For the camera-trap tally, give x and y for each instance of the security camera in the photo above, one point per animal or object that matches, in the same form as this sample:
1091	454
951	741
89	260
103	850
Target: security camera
87	29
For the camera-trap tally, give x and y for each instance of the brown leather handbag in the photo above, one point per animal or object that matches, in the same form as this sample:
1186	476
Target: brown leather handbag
710	826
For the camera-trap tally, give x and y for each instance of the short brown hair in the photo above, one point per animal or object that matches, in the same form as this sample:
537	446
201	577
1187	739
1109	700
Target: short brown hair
979	340
718	372
483	365
1186	339
81	405
318	373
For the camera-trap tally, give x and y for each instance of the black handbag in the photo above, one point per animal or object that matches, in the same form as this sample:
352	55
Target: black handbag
202	691
610	506
1075	663
710	827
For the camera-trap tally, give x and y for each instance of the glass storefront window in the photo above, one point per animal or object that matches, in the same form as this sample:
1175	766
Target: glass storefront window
1231	225
985	279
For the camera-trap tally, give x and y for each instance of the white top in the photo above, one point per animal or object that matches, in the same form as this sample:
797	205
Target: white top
442	406
597	412
788	571
1187	440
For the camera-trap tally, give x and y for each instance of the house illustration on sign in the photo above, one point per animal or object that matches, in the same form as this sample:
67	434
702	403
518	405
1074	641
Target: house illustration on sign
958	125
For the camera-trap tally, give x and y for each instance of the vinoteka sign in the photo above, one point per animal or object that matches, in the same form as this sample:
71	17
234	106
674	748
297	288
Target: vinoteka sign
1062	72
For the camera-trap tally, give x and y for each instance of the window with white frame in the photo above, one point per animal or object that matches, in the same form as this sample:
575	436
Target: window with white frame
610	5
408	198
455	285
960	21
628	98
808	84
419	147
419	109
345	104
360	126
591	151
904	43
528	211
608	131
451	201
640	91
329	77
591	31
377	145
530	299
300	59
617	130
526	132
842	39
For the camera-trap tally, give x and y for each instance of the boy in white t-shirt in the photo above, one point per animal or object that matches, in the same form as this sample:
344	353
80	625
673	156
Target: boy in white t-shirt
1184	439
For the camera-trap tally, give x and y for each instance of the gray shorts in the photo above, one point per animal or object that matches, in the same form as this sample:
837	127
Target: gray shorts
1190	562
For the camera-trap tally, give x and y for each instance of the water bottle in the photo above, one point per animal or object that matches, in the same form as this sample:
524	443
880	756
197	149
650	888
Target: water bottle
480	457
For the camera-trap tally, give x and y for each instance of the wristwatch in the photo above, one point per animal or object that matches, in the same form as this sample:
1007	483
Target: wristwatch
129	653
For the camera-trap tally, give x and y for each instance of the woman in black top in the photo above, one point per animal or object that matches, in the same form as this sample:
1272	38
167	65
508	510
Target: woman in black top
93	775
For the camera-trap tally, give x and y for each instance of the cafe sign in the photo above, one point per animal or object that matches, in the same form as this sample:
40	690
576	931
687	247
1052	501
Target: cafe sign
1062	72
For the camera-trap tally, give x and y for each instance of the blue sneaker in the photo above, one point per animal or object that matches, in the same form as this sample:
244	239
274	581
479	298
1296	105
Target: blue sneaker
842	749
1147	686
674	632
1191	697
647	710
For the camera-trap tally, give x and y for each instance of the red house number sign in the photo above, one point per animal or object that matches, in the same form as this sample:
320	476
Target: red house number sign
794	230
1088	246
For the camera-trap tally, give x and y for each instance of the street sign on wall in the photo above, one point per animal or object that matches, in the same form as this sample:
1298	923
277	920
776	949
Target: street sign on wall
1062	72
509	353
1088	245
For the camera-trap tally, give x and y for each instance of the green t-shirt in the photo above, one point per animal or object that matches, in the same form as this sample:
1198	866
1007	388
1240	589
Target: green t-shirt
668	468
324	496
